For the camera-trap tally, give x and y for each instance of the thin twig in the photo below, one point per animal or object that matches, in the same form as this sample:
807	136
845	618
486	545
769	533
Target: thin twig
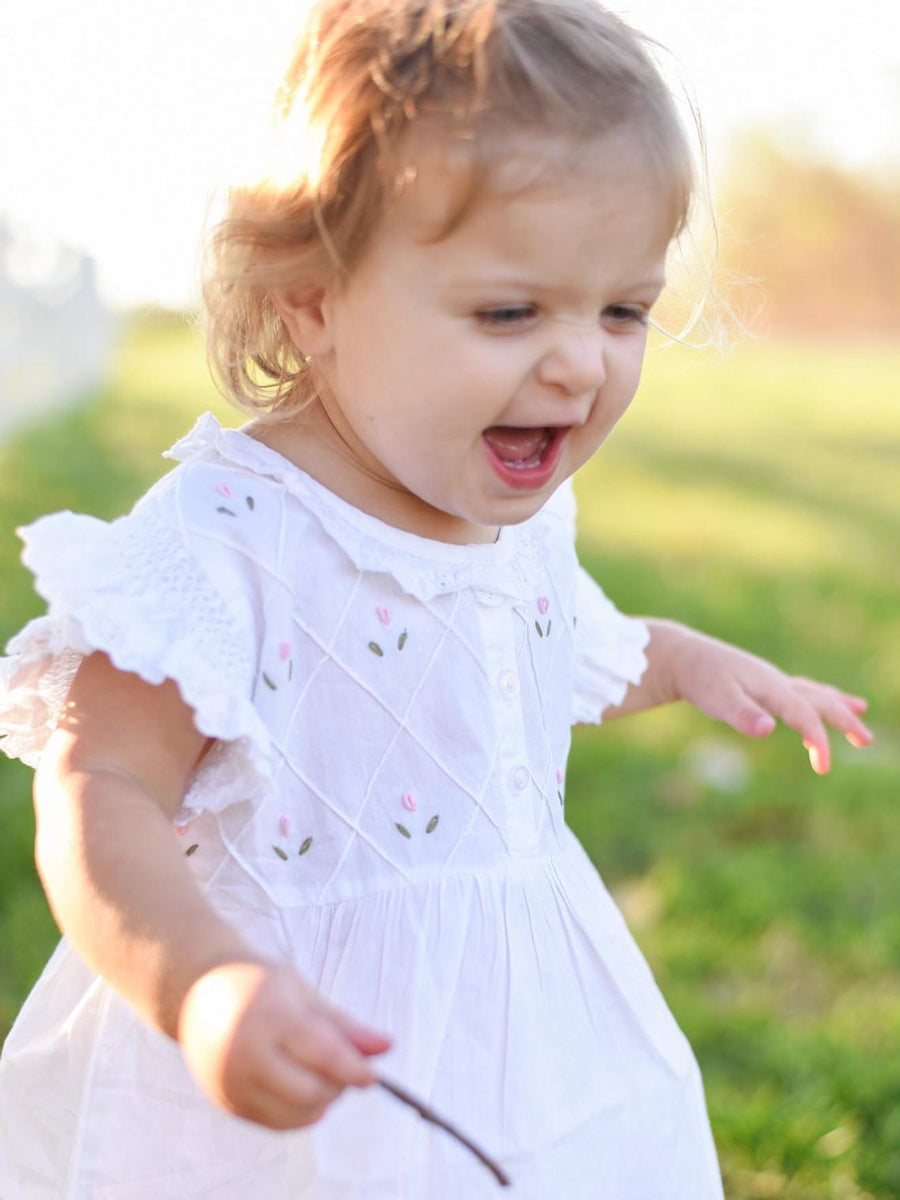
428	1114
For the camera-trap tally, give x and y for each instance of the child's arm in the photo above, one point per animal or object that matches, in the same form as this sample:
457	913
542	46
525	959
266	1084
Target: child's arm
259	1042
745	691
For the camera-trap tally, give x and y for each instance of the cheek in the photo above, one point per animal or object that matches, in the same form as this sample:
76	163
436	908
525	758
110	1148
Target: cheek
628	375
615	401
612	405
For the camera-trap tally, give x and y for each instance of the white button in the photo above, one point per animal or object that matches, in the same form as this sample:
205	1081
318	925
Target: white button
519	778
509	683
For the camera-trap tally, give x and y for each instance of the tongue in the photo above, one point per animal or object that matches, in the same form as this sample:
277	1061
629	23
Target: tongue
515	445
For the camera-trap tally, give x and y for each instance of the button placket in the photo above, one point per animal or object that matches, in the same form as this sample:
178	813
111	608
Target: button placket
519	778
508	682
513	780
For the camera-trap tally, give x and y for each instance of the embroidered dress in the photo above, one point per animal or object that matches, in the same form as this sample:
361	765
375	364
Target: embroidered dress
383	808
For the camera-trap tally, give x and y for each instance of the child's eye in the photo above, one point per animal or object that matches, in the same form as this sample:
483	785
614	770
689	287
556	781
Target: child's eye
508	316
626	314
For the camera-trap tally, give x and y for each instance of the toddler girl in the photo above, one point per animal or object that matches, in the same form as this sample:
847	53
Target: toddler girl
301	719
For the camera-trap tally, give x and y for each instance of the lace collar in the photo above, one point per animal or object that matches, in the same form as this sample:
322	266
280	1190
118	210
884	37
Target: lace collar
512	566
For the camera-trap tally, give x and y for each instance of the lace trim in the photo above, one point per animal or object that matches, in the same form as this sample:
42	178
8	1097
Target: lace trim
512	567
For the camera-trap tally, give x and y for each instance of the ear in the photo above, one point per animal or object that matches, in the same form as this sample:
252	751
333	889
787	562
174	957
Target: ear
304	318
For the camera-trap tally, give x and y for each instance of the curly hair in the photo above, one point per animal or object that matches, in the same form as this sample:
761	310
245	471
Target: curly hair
366	75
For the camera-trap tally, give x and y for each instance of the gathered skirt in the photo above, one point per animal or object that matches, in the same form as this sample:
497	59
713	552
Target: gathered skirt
520	1009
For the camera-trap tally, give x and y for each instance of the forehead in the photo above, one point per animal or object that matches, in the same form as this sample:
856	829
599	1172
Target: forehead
540	197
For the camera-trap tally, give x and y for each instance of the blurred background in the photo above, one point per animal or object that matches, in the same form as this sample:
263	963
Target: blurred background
754	493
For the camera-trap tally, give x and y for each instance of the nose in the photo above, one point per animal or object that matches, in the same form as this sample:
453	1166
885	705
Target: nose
576	361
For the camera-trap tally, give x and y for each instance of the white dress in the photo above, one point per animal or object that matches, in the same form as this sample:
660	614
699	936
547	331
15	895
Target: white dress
384	810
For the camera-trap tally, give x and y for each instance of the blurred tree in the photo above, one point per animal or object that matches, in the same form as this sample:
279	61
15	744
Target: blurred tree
821	241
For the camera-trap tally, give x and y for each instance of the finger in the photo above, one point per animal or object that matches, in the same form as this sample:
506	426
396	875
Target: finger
856	733
819	756
851	727
367	1041
303	1094
838	709
318	1042
800	715
724	699
847	721
289	1097
753	720
861	741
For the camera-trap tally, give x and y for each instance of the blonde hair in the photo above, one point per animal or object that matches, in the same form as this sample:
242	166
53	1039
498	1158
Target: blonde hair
367	74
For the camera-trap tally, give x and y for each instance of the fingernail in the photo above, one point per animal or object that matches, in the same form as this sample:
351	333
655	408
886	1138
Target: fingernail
861	740
816	760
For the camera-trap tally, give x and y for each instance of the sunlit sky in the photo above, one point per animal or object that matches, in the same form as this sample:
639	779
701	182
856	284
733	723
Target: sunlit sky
118	118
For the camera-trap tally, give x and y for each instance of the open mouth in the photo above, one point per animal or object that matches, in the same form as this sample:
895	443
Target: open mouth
524	457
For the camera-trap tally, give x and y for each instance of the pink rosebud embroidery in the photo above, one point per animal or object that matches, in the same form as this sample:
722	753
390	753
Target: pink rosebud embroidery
559	775
224	490
408	801
284	650
284	826
543	604
383	615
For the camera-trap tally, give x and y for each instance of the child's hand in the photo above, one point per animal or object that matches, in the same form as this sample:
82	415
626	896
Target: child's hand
749	693
264	1046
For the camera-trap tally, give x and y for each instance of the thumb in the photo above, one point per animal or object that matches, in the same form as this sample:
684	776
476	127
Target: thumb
752	720
731	704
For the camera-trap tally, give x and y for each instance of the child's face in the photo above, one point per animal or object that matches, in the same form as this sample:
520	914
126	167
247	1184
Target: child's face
466	378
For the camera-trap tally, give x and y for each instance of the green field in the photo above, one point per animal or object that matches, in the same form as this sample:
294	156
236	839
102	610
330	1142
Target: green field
758	498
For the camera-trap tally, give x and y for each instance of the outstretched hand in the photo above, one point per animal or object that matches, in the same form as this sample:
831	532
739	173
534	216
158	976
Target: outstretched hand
750	694
264	1046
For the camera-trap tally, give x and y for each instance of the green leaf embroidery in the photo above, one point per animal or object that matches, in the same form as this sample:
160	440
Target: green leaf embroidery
268	682
281	854
251	503
190	850
305	845
401	640
559	793
549	623
538	628
376	649
432	824
402	829
227	511
290	670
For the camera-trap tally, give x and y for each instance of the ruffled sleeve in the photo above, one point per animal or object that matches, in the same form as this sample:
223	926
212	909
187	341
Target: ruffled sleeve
134	590
609	652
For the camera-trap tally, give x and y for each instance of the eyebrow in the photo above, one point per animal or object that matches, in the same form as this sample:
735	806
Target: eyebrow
524	283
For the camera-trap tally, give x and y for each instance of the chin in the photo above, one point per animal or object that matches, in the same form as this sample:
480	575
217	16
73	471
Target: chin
521	508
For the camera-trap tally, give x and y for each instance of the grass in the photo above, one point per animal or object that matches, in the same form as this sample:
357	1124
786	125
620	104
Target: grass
756	498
